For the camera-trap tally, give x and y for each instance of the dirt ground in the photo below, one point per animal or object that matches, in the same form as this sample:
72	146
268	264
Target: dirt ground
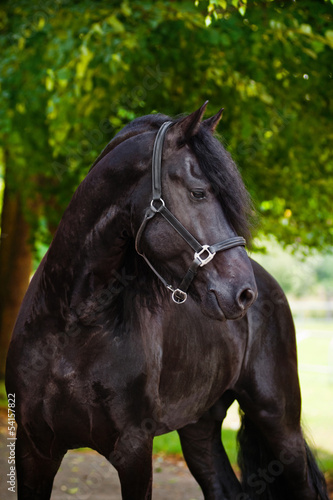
86	475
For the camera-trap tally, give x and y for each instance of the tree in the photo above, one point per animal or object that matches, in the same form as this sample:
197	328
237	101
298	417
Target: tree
73	73
15	265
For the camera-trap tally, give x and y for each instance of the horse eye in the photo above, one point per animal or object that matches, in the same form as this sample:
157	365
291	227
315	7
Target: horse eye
198	195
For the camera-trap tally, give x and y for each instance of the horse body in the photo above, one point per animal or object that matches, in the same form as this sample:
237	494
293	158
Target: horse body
101	357
179	372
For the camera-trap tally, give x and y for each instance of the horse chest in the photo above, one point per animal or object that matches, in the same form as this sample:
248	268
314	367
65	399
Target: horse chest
198	364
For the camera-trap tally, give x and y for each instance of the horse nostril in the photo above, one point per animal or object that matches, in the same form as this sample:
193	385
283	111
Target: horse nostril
245	298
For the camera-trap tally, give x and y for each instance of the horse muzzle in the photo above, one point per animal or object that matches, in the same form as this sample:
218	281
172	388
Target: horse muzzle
229	303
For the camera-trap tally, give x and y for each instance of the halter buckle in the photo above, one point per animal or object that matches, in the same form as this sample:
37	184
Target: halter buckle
178	296
204	261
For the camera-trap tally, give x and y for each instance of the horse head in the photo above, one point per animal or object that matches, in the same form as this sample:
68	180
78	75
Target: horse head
200	201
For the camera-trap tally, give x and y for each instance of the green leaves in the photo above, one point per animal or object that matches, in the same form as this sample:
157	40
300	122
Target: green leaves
73	75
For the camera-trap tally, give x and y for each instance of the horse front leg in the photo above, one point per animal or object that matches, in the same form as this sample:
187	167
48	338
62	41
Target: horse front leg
35	473
206	457
132	458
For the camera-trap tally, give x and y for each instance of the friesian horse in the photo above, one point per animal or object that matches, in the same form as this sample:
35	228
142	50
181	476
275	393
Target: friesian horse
146	315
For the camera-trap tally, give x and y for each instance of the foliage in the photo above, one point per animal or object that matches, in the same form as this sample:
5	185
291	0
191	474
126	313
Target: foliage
3	395
2	185
73	73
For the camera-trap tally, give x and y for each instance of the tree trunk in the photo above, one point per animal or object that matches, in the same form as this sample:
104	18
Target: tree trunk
15	267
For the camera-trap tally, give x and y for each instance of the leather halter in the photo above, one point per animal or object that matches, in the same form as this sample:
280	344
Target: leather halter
202	253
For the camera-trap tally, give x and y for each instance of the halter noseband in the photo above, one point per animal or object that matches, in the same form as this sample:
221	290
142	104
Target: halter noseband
202	253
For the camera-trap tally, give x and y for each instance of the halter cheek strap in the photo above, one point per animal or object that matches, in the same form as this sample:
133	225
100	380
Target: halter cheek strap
203	254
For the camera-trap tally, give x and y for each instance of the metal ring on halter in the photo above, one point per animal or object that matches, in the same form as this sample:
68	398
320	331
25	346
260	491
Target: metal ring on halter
178	296
204	261
154	209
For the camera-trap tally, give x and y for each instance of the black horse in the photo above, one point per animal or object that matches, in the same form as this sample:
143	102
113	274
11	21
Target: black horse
111	349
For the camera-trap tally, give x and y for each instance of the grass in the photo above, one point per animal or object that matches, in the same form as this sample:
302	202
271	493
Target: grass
169	444
315	357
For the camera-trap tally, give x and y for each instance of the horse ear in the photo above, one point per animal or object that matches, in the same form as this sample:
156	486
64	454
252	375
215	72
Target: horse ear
189	126
212	123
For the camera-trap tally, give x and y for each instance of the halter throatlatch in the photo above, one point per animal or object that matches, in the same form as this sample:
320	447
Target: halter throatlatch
203	254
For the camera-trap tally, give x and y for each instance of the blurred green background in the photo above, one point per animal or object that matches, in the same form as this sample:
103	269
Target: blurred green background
73	73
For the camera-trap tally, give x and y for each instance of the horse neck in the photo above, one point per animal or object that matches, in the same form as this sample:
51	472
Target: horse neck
89	247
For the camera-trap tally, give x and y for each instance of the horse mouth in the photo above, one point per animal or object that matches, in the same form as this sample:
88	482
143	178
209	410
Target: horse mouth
211	307
214	308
